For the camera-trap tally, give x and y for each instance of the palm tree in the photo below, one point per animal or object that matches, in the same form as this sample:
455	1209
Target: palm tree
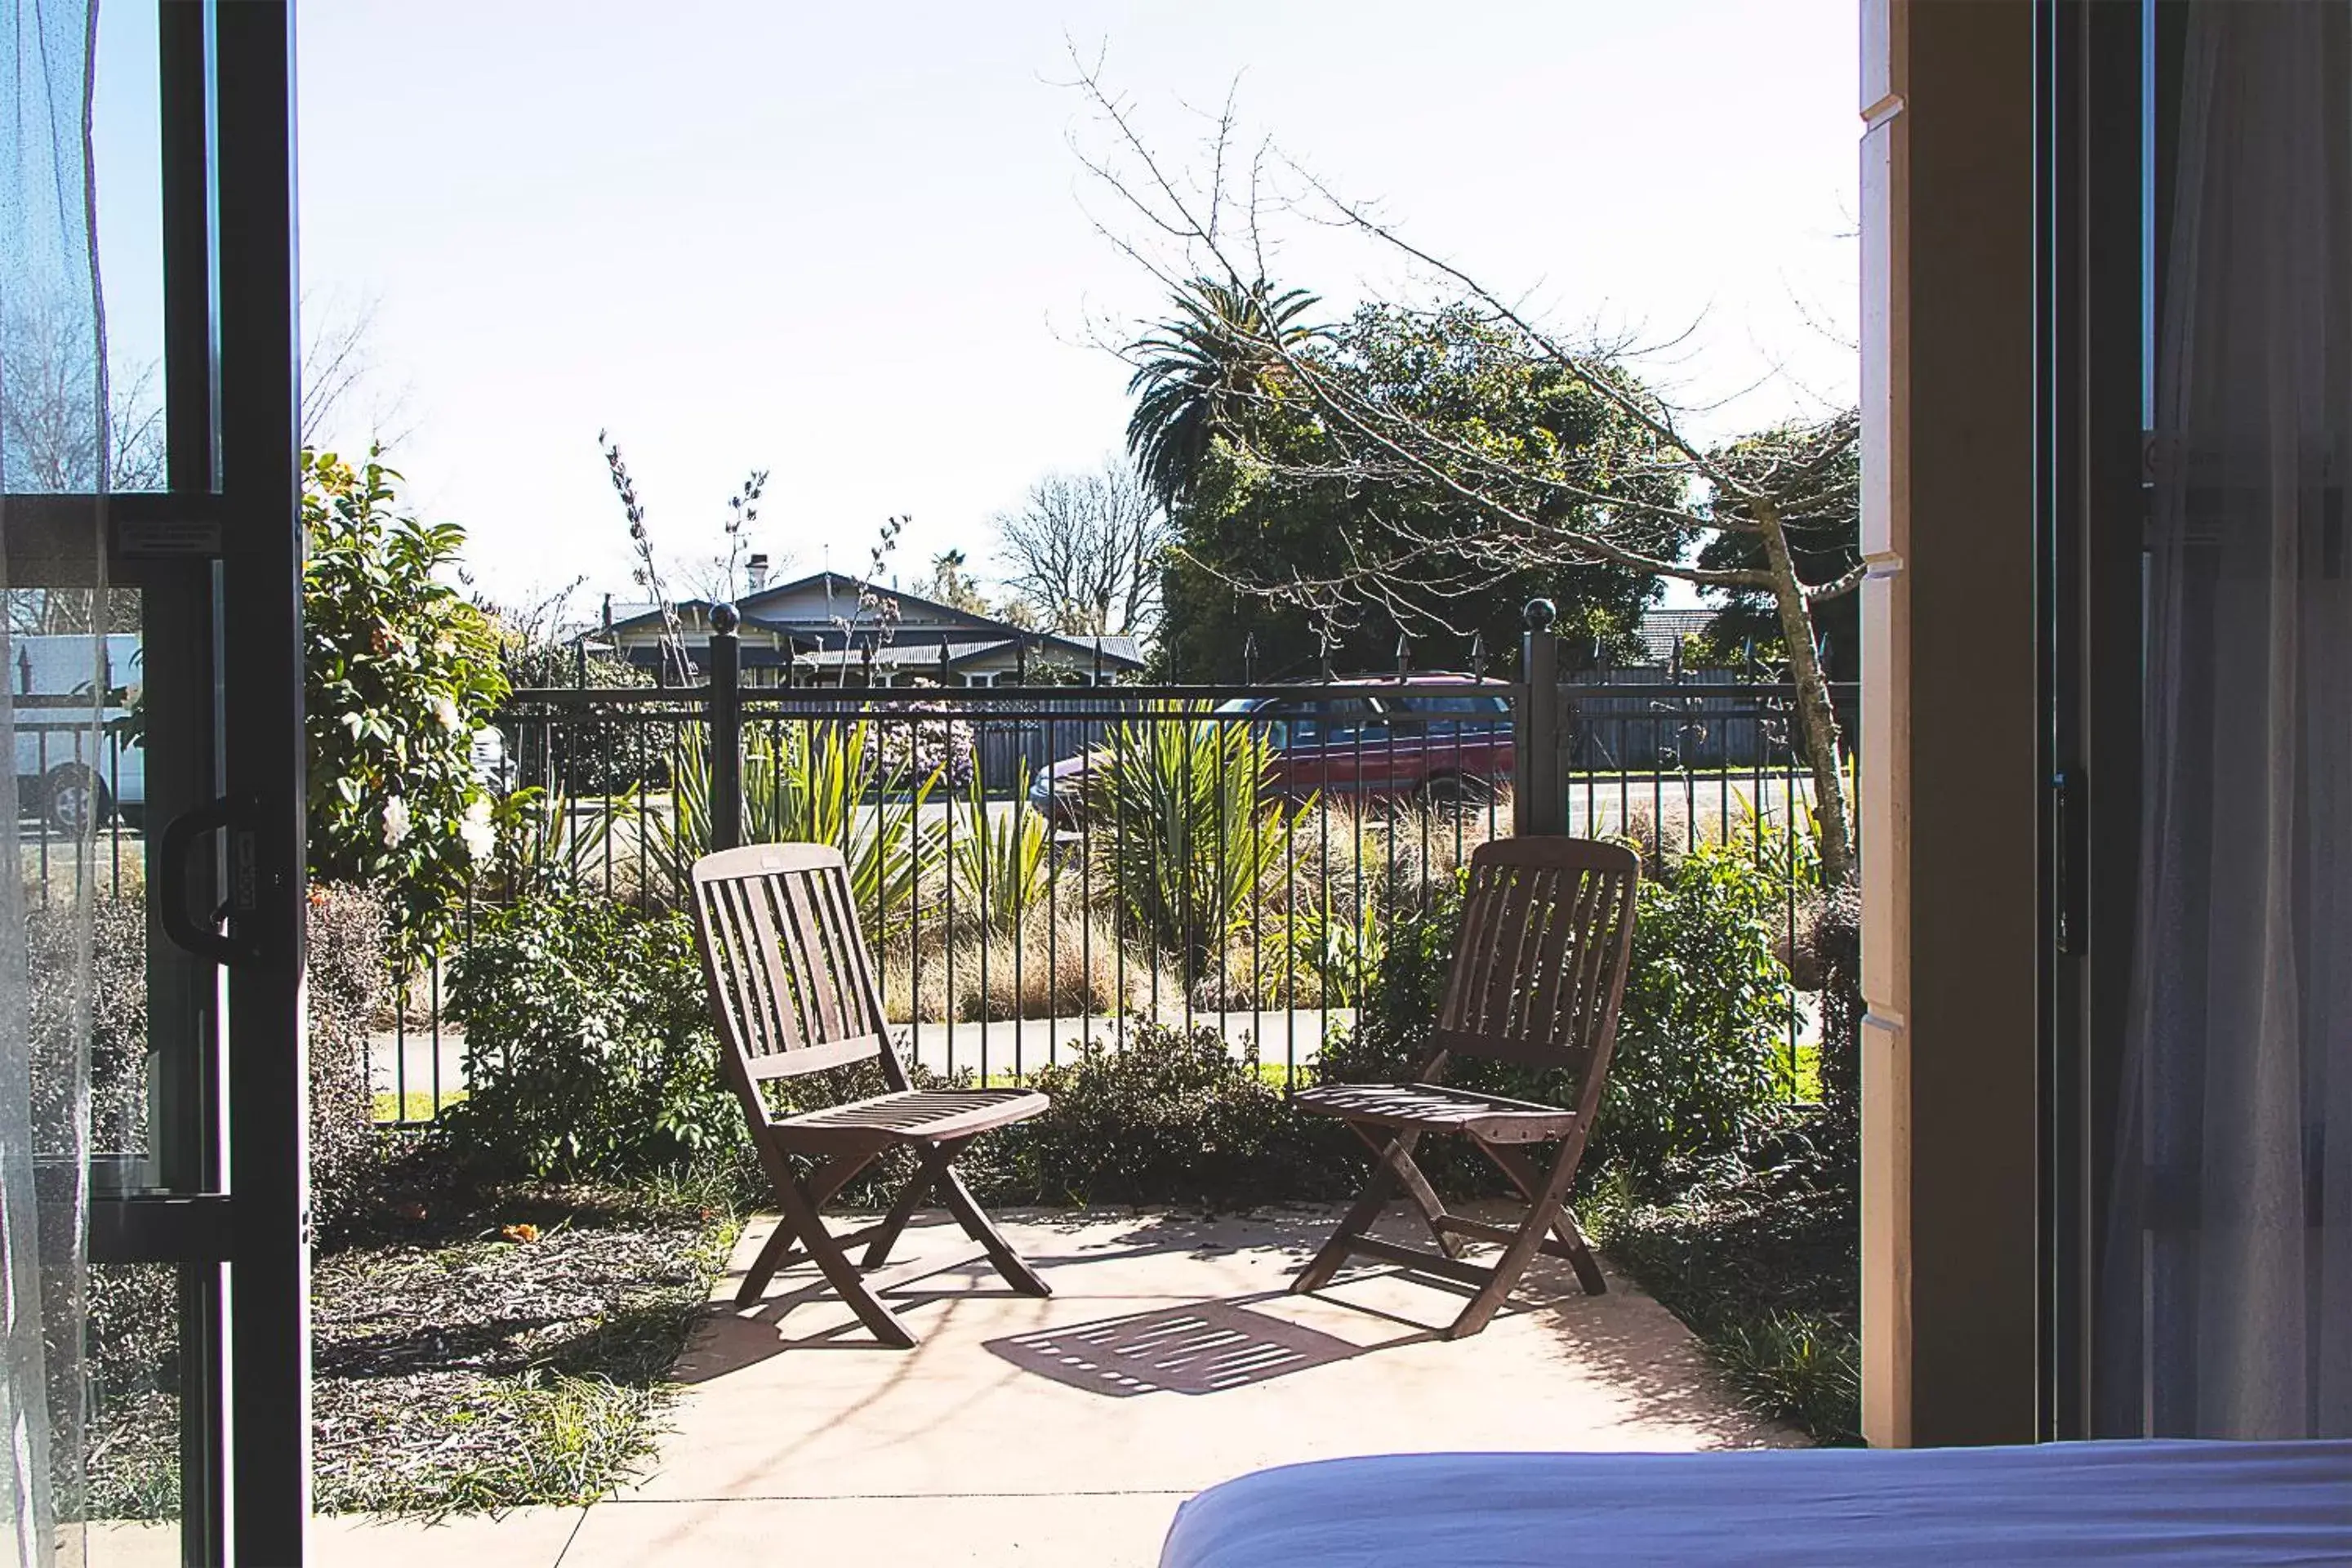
952	587
1197	367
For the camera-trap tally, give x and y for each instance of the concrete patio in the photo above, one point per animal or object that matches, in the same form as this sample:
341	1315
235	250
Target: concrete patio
1064	1433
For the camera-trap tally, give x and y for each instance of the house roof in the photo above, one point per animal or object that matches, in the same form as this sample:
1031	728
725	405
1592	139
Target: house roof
1661	631
969	636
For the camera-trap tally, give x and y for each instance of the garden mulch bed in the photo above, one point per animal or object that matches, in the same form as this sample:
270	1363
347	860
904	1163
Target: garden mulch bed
510	1351
1763	1262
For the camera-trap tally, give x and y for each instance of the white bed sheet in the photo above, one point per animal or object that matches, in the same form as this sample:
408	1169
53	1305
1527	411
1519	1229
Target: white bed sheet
2168	1504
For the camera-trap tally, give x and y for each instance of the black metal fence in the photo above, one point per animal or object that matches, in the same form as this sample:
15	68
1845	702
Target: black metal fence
1039	867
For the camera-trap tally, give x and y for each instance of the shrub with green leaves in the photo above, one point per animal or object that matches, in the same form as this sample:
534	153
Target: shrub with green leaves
588	1046
400	671
1698	1067
1166	1117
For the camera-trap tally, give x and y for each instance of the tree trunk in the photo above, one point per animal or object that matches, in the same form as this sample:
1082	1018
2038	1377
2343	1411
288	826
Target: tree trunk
1816	715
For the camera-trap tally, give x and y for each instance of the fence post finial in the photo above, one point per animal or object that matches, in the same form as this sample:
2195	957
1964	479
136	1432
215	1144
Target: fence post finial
1249	659
1477	656
1404	654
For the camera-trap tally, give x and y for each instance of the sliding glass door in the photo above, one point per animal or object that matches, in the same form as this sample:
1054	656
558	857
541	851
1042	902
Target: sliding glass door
2200	428
152	1197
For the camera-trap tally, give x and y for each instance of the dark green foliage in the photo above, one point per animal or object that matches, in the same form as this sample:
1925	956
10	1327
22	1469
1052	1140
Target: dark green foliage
349	977
347	982
1201	370
583	758
1837	944
131	1335
1274	496
1696	1070
588	1047
115	1025
1762	1259
400	671
1168	1116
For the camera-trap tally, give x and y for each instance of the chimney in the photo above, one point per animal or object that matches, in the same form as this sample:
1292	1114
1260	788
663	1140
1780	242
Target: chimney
755	570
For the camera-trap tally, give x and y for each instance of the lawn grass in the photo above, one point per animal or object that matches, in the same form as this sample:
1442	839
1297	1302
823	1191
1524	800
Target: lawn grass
416	1105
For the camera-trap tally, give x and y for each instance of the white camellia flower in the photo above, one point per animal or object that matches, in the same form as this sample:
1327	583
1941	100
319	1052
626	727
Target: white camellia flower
475	829
395	822
445	712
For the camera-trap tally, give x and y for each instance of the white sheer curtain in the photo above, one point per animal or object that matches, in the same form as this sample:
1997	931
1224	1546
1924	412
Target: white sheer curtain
53	436
2227	1289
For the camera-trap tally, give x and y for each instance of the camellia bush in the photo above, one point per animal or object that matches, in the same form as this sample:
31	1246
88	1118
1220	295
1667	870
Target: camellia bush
588	1044
400	671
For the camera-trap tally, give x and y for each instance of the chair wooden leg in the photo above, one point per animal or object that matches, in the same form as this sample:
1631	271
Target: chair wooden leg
976	1223
763	1267
1541	1212
1418	1188
783	1247
1358	1218
918	1189
839	1271
1527	1179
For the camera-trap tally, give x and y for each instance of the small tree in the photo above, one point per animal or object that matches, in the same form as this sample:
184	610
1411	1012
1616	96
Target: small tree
952	584
400	672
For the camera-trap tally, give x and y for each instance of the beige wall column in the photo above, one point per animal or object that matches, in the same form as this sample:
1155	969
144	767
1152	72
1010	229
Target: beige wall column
1950	792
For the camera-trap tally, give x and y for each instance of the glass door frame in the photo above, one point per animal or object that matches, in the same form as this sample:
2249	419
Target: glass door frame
2099	126
220	553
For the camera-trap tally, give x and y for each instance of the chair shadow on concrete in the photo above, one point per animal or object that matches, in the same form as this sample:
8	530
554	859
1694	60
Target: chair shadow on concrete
1198	1347
731	1338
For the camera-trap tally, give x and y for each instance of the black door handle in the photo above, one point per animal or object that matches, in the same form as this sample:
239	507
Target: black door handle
172	855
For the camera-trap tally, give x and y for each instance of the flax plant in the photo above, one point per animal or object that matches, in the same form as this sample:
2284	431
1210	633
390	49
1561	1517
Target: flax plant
1196	837
818	783
1001	862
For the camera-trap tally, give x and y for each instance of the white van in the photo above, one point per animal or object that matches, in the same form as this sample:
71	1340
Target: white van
72	777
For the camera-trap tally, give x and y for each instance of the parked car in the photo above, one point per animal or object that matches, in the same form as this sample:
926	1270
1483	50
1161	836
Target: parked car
74	778
1381	737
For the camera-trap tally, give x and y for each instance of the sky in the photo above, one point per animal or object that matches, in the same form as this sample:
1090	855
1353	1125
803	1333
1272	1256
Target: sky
856	245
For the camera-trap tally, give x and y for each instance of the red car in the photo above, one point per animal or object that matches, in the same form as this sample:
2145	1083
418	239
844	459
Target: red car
1447	737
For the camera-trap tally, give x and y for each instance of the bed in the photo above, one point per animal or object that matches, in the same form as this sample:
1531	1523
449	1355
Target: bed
2168	1504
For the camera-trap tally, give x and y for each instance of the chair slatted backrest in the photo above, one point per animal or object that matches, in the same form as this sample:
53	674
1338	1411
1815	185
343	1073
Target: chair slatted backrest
1547	939
792	988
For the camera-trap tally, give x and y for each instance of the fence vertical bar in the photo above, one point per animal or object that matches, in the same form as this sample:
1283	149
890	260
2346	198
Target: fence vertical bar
725	709
1540	792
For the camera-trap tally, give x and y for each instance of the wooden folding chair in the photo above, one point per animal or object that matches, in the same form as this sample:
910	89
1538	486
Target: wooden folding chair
1547	937
792	991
